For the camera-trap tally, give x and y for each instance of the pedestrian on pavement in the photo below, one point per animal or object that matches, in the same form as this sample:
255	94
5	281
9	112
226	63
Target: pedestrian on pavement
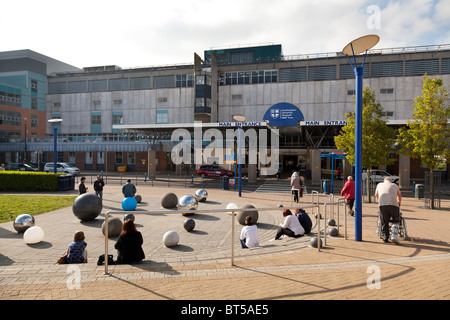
98	187
82	187
389	200
291	227
349	192
296	186
249	234
77	253
128	190
129	244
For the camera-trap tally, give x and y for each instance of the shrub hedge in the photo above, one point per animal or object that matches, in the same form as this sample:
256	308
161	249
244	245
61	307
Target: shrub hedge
28	181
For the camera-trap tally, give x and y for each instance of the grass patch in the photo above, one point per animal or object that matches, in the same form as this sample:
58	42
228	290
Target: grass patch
13	205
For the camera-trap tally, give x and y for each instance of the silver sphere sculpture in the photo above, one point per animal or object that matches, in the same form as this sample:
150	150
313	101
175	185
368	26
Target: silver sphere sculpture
23	222
187	202
201	195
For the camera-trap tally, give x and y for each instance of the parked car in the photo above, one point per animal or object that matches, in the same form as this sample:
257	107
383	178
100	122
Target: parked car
61	167
379	175
19	167
211	170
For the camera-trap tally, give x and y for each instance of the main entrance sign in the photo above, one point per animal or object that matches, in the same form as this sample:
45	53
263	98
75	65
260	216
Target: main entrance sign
283	114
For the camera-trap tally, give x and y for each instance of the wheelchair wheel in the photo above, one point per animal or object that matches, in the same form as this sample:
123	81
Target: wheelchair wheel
402	229
379	228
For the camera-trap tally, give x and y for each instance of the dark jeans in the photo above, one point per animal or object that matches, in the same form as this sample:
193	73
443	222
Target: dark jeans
243	244
386	213
349	203
288	232
295	192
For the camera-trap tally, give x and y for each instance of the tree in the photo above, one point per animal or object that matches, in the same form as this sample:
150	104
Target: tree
377	137
427	137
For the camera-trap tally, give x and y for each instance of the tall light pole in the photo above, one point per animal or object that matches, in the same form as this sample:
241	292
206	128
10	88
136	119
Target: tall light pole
54	123
25	154
240	119
354	48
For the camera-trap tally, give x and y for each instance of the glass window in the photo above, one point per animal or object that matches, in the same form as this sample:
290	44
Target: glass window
131	158
119	158
162	116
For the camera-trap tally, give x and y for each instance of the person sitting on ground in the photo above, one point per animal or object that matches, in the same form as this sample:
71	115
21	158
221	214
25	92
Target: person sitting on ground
129	189
77	253
129	244
249	234
304	220
291	226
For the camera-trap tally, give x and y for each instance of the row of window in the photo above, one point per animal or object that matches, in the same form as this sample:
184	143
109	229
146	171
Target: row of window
311	73
12	118
137	83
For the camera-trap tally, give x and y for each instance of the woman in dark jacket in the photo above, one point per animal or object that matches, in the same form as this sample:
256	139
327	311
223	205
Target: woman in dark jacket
129	244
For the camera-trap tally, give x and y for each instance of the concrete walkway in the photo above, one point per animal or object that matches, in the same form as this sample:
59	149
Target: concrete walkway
199	268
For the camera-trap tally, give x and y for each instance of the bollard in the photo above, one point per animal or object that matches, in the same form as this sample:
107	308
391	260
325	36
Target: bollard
145	177
192	178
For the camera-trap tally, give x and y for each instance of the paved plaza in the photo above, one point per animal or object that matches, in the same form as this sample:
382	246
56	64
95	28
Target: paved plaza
200	268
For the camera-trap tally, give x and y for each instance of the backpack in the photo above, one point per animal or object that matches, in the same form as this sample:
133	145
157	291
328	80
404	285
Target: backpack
305	221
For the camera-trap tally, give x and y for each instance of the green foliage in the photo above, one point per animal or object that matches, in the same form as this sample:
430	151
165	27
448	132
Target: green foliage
13	205
377	137
28	181
427	137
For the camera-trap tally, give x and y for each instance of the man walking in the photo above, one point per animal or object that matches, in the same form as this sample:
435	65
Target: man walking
98	187
389	200
349	191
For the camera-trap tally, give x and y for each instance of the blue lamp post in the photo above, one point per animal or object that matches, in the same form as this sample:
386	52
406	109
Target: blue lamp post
240	119
54	123
354	48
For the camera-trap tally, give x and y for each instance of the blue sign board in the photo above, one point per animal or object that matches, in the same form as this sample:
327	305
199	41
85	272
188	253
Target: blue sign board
283	114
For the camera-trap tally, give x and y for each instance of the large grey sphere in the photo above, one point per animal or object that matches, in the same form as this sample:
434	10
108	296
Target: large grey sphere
114	227
23	222
187	202
241	215
169	200
87	207
201	195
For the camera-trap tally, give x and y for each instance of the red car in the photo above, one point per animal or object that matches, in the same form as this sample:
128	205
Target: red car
211	170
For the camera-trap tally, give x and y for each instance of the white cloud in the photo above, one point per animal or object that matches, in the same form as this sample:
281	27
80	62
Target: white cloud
143	32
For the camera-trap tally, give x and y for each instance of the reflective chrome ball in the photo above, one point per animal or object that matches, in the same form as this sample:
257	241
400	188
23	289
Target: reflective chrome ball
201	195
187	202
23	222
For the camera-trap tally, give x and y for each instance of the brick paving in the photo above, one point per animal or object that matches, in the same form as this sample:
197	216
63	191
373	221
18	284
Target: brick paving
199	268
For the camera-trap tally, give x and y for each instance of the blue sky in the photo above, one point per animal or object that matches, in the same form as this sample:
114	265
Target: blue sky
138	33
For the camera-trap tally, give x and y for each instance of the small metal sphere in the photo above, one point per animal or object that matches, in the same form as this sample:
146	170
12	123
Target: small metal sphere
201	195
189	224
23	222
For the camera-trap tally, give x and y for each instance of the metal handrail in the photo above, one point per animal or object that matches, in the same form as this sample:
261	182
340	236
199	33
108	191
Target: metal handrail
233	211
338	202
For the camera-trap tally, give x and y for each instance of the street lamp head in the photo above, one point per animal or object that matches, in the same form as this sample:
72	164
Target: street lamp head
361	45
55	121
239	118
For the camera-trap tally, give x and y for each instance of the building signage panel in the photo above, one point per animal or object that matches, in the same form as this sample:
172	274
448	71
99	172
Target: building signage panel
324	123
283	114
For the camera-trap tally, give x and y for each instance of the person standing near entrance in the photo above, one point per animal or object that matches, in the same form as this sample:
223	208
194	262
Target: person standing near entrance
349	192
389	199
98	187
296	186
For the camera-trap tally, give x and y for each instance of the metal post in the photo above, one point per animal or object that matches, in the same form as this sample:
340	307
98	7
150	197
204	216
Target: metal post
240	160
106	242
359	71
232	237
55	150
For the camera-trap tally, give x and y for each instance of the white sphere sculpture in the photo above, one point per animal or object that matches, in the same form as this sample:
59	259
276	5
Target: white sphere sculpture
33	235
171	238
232	205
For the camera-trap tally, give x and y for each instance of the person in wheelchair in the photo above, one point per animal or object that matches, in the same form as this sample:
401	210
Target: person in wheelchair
389	200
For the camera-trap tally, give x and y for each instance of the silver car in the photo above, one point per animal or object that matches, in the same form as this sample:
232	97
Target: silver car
61	167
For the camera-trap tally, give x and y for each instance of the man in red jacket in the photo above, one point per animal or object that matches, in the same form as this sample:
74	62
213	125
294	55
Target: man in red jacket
349	191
